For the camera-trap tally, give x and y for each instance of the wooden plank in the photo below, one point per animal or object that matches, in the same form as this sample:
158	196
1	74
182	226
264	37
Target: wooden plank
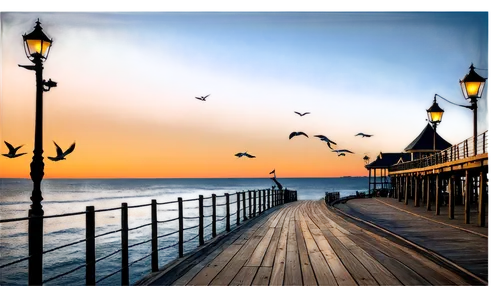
321	269
262	277
293	274
245	276
278	274
305	264
260	251
273	245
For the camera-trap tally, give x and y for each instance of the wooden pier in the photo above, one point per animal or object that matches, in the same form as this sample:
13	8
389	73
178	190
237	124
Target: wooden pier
306	243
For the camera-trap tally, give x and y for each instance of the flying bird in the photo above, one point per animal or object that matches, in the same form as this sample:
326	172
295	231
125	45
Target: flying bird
60	153
302	114
293	134
328	141
273	172
341	154
239	155
343	151
12	151
363	135
202	98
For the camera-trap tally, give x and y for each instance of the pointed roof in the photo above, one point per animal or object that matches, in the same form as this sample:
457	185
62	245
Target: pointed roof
425	141
384	160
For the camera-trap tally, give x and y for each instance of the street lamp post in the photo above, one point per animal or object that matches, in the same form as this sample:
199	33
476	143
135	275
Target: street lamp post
435	114
37	46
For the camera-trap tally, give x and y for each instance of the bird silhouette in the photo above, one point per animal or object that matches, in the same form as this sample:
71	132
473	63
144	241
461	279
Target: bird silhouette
293	134
202	98
341	154
343	151
302	114
328	141
60	154
363	135
273	172
12	151
366	159
241	154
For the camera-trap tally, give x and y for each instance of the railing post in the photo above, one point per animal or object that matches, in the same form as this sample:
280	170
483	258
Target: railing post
90	245
264	200
200	221
483	197
268	198
260	201
154	236
254	203
250	214
125	272
244	207
214	216
228	214
181	227
238	208
438	195
451	197
484	142
467	196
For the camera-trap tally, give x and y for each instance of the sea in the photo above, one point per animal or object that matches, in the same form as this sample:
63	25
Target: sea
72	196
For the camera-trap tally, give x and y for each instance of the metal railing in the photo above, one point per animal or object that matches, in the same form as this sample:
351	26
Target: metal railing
462	150
240	208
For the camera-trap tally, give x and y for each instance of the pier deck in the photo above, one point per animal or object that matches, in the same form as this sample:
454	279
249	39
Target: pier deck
305	243
465	245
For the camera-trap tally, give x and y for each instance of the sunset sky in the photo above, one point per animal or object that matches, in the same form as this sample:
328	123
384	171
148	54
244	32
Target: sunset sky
127	83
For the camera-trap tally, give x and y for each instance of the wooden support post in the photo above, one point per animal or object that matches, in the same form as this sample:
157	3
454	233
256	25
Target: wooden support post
238	208
369	180
428	188
438	194
264	200
467	192
268	198
90	245
214	216
250	214
416	196
423	188
260	201
406	179
125	272
244	207
181	228
483	195
254	203
399	188
451	197
228	213
201	240
154	236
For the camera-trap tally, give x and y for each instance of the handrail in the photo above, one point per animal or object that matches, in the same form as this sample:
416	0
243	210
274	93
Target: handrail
254	204
453	153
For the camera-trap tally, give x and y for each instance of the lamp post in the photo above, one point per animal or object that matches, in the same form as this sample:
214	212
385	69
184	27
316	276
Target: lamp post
435	114
37	46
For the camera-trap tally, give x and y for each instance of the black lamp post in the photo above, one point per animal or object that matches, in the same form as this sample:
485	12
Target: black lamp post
472	86
37	46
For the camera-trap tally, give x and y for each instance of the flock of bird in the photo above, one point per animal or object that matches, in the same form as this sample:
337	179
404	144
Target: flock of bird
329	143
60	155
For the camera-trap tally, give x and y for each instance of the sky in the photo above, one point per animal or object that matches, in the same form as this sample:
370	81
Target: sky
127	82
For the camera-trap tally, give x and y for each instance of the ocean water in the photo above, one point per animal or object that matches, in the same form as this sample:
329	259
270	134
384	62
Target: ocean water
66	196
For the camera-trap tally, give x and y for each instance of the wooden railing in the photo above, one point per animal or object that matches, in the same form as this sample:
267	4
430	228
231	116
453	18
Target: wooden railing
249	204
462	150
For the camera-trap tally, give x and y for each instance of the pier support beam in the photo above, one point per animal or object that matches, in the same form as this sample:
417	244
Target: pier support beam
451	197
406	183
483	194
438	194
467	192
416	196
428	189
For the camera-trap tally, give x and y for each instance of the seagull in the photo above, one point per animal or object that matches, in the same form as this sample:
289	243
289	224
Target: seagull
60	154
12	151
202	98
273	172
328	141
293	134
239	155
341	154
363	135
343	151
302	114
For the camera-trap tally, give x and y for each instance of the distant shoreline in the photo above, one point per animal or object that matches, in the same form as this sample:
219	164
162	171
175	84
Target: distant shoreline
178	178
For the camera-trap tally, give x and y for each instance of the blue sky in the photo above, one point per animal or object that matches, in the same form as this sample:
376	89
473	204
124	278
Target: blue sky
371	72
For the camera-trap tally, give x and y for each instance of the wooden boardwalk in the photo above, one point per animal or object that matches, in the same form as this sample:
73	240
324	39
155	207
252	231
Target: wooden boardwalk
465	245
305	243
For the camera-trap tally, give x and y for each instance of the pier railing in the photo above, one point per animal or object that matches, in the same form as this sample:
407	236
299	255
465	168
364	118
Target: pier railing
227	209
462	150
